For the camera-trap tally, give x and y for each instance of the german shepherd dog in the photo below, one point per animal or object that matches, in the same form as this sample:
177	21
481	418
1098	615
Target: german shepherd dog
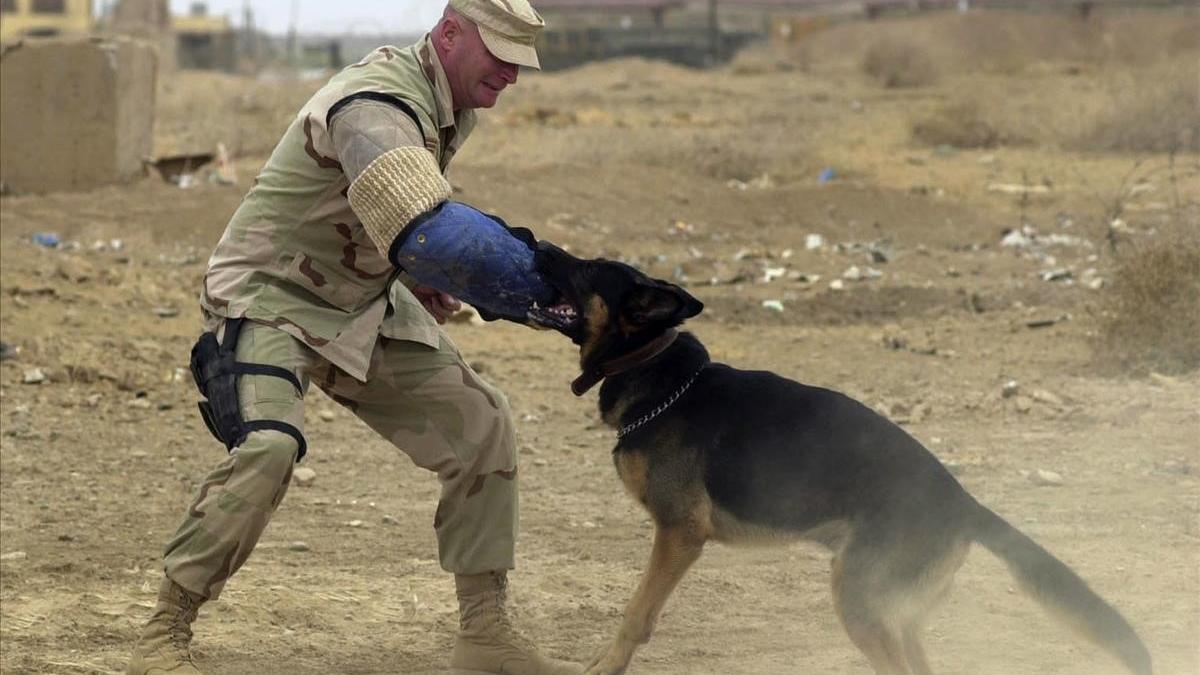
736	456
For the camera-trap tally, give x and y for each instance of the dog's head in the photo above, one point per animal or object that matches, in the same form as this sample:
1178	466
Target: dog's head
608	308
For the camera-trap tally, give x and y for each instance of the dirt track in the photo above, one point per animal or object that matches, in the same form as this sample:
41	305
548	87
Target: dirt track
694	176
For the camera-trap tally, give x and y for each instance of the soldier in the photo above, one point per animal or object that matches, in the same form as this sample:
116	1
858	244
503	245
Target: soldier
305	286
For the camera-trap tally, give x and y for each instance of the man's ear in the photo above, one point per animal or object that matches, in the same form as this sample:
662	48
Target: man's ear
448	30
660	302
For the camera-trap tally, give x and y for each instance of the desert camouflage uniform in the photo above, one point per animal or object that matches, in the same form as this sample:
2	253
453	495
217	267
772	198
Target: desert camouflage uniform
325	303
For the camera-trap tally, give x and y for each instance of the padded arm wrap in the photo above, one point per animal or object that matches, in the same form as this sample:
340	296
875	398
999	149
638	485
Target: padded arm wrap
398	186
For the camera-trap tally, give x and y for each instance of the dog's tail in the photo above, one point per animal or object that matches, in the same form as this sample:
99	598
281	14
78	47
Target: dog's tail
1057	588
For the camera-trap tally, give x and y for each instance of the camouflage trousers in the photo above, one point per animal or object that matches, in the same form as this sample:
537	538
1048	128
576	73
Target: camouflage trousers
427	402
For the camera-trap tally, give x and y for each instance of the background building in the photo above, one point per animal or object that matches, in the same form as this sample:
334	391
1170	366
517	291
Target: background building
19	18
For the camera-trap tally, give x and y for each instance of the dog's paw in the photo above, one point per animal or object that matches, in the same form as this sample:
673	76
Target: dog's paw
610	661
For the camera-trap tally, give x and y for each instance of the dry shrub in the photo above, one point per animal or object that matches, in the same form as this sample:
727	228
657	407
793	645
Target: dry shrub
960	124
897	63
1009	41
1153	111
1150	315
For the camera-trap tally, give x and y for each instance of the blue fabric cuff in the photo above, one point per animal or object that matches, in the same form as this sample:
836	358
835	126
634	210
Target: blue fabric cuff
473	256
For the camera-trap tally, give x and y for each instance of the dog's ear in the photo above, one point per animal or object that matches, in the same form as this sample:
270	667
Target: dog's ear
660	302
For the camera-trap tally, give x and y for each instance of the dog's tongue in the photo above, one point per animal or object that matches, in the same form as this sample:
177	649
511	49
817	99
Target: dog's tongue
586	381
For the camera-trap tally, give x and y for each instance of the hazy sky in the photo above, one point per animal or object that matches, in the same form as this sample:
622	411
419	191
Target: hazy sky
330	16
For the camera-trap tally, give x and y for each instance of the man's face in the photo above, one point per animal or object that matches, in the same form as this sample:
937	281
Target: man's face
476	77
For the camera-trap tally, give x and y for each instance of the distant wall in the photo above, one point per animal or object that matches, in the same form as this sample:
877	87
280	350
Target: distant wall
75	113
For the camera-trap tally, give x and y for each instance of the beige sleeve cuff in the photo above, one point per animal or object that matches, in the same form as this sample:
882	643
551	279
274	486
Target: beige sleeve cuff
398	186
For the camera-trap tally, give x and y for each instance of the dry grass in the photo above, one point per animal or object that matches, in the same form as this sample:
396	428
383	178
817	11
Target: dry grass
1007	42
961	124
1150	315
1152	110
196	110
896	63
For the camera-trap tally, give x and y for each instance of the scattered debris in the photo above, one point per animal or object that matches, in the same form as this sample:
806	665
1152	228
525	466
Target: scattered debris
299	547
1046	478
326	415
837	285
879	252
1017	189
100	245
179	169
1046	322
772	273
762	182
34	376
1022	238
854	273
1029	242
1163	380
304	476
1046	397
1010	389
165	312
681	227
389	520
15	555
47	239
355	523
813	242
748	254
1057	274
827	174
773	305
1091	279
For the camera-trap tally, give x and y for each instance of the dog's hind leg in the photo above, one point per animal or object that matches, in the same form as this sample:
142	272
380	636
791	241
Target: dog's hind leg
914	653
862	610
925	593
675	549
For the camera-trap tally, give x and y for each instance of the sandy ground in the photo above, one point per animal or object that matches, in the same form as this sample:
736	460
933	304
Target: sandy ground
707	178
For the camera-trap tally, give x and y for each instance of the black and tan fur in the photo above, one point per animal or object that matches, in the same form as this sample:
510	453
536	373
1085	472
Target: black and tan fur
746	456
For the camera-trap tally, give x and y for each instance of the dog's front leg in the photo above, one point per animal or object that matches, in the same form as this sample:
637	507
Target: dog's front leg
675	549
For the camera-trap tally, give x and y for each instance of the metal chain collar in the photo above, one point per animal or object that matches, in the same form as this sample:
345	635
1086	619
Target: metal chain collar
659	410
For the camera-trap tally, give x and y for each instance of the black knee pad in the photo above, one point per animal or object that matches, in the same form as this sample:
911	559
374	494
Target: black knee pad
216	371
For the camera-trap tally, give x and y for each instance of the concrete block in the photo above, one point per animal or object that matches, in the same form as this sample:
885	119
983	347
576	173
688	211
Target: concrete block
75	113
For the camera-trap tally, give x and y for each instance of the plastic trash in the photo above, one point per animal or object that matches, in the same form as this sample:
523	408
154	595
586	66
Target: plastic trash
47	239
826	175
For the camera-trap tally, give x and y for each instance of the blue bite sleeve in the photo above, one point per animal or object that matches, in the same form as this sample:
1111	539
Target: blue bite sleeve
475	257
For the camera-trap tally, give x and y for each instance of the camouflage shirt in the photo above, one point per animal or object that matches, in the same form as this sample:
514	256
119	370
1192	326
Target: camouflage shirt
295	256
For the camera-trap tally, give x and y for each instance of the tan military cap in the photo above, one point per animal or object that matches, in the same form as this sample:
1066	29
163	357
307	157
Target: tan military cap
508	28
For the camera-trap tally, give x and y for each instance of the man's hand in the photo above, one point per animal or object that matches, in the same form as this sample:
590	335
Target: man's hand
441	305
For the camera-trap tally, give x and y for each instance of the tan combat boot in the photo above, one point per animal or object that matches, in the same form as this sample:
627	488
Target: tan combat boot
486	642
162	648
